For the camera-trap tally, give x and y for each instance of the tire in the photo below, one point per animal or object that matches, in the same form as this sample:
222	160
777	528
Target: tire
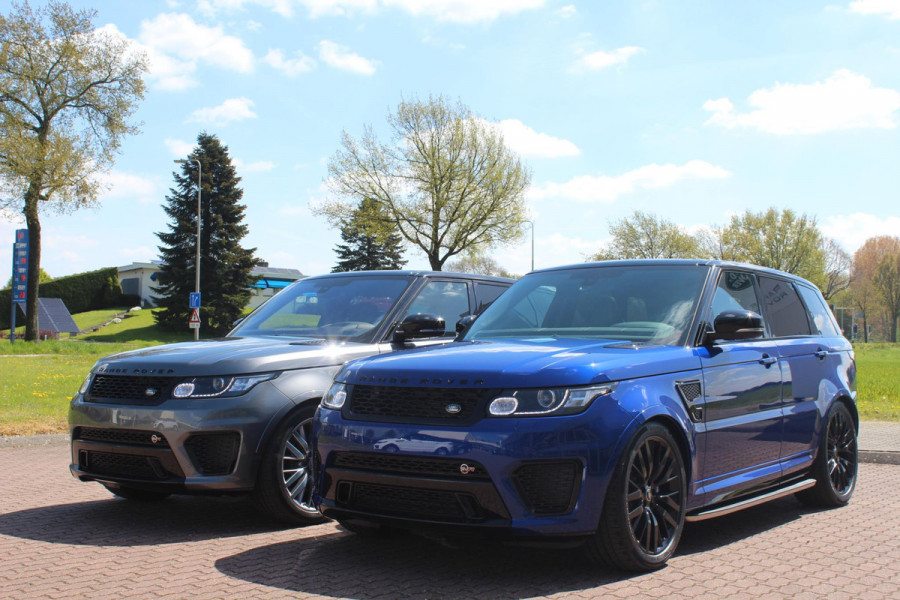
643	515
284	486
835	467
442	452
390	448
136	494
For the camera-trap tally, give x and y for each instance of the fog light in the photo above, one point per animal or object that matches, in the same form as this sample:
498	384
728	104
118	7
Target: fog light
183	390
503	406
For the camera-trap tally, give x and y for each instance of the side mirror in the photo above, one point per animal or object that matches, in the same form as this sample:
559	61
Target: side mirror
736	325
420	325
462	326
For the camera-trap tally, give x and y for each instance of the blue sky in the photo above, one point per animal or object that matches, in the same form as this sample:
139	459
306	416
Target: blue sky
692	110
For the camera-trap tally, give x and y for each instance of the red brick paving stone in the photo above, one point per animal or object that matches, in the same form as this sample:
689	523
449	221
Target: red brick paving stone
62	538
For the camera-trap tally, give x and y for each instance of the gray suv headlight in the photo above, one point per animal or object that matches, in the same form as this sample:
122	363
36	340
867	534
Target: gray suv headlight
546	401
220	386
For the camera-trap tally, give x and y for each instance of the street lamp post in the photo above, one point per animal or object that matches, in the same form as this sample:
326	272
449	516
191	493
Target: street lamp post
532	243
181	161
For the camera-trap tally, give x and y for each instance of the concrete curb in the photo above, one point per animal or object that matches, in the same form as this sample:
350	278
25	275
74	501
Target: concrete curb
22	441
880	457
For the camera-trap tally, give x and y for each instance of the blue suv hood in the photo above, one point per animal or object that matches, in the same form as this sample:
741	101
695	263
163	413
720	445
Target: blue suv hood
522	363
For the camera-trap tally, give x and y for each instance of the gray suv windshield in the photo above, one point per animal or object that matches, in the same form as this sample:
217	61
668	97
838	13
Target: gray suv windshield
633	303
339	308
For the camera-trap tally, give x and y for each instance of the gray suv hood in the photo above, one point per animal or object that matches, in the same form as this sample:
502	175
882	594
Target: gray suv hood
234	356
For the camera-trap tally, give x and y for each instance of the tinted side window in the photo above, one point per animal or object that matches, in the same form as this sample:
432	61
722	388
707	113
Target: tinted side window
485	294
734	292
819	314
784	311
447	299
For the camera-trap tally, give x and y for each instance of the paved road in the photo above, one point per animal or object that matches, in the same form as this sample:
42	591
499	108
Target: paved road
61	539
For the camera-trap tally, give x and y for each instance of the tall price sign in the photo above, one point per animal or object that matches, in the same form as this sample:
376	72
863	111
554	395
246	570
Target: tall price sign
19	277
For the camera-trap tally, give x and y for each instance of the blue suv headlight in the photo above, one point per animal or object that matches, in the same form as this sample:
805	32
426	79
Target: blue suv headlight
546	401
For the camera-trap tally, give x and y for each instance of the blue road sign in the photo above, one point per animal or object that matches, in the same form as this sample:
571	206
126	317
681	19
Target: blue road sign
195	300
20	267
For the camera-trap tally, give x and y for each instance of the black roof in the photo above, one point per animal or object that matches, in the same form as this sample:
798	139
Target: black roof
678	261
415	273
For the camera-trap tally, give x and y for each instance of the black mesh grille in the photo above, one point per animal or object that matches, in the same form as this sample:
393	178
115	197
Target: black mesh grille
118	389
121	436
416	403
415	502
689	390
548	487
410	465
213	453
124	465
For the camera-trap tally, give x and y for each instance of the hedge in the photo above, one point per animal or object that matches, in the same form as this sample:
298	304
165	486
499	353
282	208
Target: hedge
93	290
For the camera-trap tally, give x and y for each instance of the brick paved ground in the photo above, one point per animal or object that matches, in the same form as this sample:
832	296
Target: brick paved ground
60	539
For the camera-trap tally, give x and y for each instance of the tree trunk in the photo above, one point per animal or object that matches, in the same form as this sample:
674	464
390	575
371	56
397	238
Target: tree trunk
34	261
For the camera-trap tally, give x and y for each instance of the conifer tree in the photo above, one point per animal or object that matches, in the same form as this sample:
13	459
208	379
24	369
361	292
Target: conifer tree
370	244
224	264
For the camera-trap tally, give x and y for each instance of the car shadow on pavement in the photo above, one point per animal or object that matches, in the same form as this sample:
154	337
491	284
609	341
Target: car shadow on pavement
347	565
106	522
715	533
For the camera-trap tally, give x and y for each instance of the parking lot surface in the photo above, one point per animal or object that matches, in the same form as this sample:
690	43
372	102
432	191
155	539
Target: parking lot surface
60	538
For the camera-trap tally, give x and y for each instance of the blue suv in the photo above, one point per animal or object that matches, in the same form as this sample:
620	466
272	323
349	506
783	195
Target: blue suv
606	403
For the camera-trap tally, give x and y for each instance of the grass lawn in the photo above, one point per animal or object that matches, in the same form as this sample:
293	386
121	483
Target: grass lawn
878	381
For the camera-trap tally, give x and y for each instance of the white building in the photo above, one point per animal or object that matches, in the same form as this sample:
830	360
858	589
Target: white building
139	279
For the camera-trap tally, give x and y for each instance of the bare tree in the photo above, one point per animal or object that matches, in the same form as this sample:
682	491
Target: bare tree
446	180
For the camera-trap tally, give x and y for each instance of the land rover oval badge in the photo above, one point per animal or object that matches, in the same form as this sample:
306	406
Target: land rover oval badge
453	409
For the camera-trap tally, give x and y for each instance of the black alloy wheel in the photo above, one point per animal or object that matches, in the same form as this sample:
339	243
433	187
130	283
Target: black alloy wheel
644	512
837	461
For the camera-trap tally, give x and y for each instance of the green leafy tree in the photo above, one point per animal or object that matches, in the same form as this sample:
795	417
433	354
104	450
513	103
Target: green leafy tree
643	235
778	240
446	180
876	283
67	93
224	265
481	264
369	244
837	269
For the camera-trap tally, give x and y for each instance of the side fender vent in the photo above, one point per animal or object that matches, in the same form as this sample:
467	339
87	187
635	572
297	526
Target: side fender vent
691	391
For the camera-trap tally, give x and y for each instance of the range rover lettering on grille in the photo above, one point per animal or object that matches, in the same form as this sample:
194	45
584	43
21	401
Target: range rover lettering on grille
453	409
466	469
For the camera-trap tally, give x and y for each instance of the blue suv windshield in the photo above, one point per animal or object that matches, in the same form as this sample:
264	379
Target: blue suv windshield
635	303
334	308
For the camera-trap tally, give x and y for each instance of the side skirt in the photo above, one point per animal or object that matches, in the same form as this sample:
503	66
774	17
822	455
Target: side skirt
727	509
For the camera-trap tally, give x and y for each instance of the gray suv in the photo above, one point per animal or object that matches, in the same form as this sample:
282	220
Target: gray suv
233	415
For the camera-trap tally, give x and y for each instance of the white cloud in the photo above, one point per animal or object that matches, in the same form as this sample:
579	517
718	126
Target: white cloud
260	166
843	101
524	140
340	57
452	11
595	61
181	43
127	186
178	148
292	66
463	11
854	229
889	8
602	188
233	109
567	11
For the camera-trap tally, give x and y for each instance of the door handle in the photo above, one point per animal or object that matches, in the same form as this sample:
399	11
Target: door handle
821	354
767	360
